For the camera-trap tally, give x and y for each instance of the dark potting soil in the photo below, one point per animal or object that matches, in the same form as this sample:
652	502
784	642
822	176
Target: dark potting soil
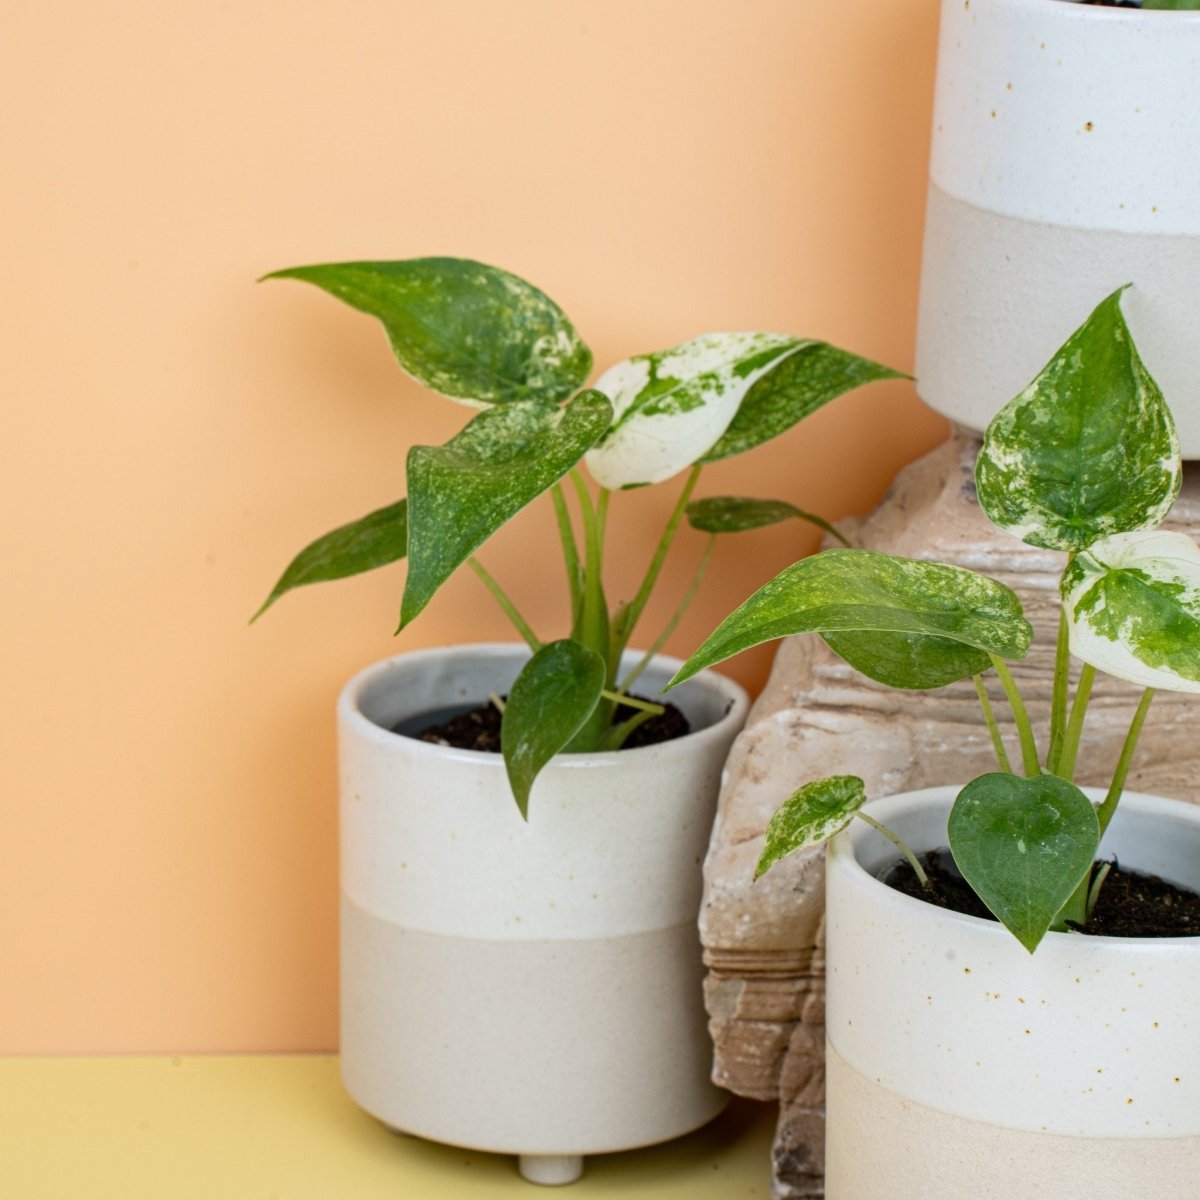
479	728
1130	905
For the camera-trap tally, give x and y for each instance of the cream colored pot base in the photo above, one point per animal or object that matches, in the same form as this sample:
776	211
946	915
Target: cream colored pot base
908	1149
576	1043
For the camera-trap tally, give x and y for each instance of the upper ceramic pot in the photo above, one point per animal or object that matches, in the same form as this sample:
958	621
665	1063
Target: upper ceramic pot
1065	162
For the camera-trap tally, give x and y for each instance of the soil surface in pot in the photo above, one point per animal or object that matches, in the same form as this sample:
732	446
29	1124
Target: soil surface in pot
478	728
1130	905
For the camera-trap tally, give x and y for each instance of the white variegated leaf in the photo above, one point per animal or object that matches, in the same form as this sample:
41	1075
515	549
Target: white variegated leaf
671	407
1088	449
1133	608
809	816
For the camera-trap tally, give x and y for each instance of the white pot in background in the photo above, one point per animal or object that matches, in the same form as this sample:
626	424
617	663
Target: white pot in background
1065	162
959	1065
529	988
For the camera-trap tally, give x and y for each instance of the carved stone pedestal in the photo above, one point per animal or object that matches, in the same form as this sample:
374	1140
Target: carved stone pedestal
817	716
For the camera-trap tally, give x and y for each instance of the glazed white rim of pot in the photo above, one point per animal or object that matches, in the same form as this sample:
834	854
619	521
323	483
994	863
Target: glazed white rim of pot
350	703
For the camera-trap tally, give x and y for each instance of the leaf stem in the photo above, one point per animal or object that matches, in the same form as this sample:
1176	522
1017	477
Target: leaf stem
1083	900
627	617
900	845
570	550
993	728
593	622
510	609
669	629
1058	699
1029	754
1070	746
1117	786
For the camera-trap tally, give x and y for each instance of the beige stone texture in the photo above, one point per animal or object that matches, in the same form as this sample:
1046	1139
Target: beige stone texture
816	717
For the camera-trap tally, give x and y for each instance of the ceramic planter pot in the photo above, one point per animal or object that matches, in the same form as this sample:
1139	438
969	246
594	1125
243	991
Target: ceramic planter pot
959	1065
529	988
1065	163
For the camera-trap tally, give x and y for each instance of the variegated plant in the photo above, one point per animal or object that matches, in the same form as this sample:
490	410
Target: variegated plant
1085	460
490	340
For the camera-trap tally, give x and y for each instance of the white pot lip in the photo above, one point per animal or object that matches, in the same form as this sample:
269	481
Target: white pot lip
1073	10
350	714
842	858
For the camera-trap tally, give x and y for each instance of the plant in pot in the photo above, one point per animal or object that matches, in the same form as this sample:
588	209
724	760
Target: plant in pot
532	985
980	1067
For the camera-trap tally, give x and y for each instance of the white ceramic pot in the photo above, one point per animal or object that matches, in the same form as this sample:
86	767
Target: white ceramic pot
529	988
959	1065
1065	162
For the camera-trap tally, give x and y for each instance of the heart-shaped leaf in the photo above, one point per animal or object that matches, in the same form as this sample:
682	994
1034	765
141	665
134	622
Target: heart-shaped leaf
809	816
736	514
466	330
549	702
1133	608
1024	845
671	406
379	538
459	494
1088	449
799	385
862	591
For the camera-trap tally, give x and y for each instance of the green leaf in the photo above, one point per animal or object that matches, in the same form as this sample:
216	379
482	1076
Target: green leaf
1088	449
862	591
373	541
1133	608
551	699
459	494
913	661
671	406
811	815
736	514
1172	5
466	330
1024	845
800	384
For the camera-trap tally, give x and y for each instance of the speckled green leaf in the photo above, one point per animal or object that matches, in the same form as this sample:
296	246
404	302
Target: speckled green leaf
914	661
809	816
736	514
549	702
1088	449
1133	608
459	494
466	330
1024	845
864	592
671	406
799	385
1173	5
373	541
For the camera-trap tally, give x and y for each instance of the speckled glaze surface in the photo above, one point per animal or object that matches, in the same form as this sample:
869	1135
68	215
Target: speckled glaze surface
531	988
1065	162
1082	1059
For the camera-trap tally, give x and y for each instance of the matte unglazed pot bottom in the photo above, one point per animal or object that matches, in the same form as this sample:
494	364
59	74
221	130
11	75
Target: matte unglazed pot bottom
918	1152
555	1043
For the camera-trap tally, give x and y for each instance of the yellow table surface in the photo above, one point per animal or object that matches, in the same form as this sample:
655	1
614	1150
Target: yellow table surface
279	1127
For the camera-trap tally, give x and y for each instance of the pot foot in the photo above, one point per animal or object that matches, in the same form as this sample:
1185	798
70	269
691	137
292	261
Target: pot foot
551	1170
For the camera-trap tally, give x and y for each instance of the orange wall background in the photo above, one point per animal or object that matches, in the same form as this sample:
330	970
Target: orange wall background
175	431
